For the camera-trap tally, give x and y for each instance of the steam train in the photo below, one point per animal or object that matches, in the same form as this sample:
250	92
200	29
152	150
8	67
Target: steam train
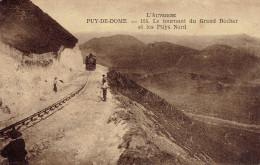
90	62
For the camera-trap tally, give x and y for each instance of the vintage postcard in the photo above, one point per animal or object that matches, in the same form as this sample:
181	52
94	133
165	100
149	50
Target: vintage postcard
141	82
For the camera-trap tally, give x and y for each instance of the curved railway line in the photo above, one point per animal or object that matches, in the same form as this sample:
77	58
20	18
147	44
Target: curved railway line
42	114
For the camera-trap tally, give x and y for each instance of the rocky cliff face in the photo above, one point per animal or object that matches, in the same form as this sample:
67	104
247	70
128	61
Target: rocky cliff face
34	49
28	29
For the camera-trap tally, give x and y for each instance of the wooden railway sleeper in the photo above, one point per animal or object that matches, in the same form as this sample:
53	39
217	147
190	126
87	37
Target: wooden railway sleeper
19	127
47	111
41	115
33	119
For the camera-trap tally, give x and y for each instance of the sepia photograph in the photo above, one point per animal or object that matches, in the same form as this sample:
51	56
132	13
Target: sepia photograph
141	82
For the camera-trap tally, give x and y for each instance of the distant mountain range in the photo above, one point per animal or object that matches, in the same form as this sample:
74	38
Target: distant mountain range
240	41
128	52
201	42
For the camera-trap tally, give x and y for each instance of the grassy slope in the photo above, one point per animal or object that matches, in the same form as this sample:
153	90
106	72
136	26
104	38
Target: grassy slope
222	144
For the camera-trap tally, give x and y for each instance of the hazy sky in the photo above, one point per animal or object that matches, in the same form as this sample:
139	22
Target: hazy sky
72	14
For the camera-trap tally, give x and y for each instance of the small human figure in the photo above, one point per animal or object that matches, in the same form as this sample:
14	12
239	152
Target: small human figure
90	55
104	88
104	79
1	103
4	109
15	151
55	84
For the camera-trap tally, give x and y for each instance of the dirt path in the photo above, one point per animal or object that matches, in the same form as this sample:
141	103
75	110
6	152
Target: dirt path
226	123
79	133
204	118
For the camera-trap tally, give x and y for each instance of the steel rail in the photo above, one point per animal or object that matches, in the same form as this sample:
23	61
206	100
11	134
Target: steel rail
42	112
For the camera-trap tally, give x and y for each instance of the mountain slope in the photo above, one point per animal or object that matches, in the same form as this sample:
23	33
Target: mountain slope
131	53
194	141
222	60
109	50
126	52
218	81
241	41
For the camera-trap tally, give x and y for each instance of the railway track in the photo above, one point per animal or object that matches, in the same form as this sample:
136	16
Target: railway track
40	115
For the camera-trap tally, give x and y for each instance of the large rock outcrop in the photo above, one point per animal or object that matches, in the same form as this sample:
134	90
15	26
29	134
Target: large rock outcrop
28	29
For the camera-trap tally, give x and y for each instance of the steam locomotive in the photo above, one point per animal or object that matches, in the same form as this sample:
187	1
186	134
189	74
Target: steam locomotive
90	62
